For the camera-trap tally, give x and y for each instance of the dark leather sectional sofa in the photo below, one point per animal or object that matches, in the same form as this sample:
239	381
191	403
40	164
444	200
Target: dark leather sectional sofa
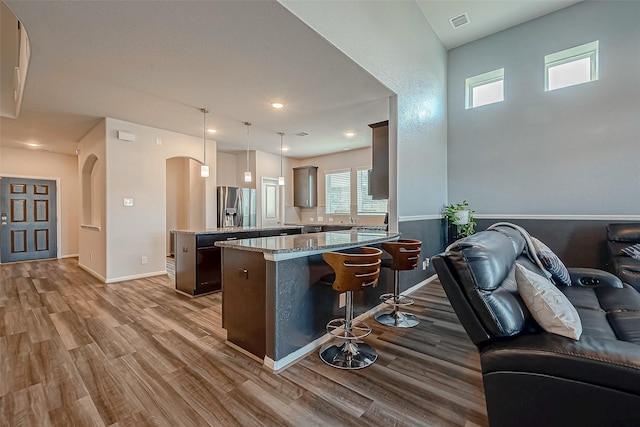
536	378
620	236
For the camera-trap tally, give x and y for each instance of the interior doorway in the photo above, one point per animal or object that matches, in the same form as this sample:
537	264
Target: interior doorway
28	221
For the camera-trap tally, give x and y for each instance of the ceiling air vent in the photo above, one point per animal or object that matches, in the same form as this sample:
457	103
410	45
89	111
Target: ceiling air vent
459	21
302	134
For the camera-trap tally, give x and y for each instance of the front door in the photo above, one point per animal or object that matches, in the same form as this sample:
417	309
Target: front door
28	228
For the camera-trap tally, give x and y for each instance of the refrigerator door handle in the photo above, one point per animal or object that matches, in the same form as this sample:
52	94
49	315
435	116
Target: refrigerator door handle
240	208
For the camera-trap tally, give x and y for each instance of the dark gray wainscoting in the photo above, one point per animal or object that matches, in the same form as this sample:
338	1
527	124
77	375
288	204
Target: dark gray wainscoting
578	243
433	236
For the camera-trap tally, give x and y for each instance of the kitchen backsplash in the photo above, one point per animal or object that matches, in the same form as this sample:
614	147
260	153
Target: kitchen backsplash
294	215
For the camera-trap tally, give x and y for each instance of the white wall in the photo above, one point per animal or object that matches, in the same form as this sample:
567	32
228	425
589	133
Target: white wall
185	196
572	151
395	43
137	170
92	246
42	164
226	170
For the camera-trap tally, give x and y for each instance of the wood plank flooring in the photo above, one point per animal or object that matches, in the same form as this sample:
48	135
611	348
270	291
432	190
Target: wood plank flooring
76	352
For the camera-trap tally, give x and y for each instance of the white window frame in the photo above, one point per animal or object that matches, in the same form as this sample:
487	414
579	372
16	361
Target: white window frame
359	195
587	50
481	80
326	194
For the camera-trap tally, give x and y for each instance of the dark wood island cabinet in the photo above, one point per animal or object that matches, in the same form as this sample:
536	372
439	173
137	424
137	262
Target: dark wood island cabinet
273	305
198	260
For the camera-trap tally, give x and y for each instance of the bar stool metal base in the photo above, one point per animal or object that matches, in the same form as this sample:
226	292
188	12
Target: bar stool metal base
397	319
348	355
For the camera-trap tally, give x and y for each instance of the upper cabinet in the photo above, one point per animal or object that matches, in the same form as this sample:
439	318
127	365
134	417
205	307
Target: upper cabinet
379	177
305	186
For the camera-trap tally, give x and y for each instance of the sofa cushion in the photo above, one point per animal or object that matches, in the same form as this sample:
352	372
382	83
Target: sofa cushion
615	299
633	251
626	324
624	232
595	324
581	297
551	309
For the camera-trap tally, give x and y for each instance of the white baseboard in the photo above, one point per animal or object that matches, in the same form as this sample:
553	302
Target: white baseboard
291	358
69	256
91	272
136	276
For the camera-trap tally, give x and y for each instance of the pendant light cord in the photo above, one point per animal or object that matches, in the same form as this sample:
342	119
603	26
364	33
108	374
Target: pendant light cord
204	134
281	135
247	124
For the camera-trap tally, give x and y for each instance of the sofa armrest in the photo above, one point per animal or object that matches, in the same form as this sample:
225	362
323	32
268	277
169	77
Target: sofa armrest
592	277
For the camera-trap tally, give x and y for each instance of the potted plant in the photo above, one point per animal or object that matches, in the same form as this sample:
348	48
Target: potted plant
461	215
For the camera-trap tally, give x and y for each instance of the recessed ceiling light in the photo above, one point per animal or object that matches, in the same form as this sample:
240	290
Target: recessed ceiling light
212	130
349	134
277	105
346	148
285	149
31	144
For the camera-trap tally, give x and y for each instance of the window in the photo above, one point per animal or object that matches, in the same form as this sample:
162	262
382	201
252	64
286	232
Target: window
337	187
366	205
571	66
485	89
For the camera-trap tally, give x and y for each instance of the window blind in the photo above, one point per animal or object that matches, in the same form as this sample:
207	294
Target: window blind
366	205
338	192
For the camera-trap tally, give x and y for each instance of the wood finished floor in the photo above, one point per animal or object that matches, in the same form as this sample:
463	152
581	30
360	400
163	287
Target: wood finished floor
76	352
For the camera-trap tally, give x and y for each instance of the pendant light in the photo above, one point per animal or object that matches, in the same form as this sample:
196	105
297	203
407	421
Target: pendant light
281	177
247	174
204	169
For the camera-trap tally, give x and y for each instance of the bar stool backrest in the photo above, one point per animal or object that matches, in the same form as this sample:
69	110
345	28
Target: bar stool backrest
354	271
405	253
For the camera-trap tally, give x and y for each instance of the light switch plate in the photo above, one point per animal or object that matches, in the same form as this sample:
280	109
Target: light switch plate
343	300
127	202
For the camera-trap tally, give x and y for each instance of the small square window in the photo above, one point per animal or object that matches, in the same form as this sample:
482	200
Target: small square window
484	89
571	66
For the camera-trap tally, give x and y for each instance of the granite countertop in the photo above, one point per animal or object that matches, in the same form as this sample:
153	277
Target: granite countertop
222	230
297	245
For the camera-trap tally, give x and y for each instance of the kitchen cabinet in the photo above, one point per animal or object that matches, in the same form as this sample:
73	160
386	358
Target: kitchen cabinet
379	178
198	260
280	232
305	186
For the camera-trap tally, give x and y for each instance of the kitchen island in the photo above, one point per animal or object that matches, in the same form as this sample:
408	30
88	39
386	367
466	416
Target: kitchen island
274	305
198	261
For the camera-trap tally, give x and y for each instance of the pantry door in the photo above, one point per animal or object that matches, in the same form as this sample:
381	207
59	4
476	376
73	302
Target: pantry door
270	202
28	224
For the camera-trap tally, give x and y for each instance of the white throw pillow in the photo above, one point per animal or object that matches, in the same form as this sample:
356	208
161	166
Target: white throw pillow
550	307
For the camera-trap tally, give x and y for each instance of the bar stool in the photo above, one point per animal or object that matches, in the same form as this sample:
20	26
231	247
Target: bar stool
354	272
405	254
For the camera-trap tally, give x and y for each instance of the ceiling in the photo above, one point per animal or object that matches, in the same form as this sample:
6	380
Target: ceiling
157	63
486	17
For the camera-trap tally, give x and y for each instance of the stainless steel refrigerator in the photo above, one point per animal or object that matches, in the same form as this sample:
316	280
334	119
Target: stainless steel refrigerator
236	207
